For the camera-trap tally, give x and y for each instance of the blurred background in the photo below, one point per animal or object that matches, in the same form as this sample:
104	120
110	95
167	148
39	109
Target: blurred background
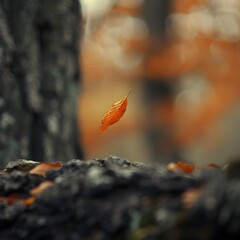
181	60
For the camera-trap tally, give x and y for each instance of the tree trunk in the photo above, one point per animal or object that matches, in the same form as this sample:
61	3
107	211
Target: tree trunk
158	90
39	66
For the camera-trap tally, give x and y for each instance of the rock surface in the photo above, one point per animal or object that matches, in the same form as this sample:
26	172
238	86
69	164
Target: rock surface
112	198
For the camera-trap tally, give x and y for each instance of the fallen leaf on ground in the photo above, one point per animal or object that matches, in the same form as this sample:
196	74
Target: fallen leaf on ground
44	167
29	201
191	196
180	167
186	167
211	165
41	187
14	198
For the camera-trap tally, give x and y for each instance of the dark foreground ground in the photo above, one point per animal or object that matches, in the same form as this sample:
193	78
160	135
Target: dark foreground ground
114	199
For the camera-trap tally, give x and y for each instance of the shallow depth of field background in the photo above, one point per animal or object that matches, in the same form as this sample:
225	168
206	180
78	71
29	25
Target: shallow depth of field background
185	80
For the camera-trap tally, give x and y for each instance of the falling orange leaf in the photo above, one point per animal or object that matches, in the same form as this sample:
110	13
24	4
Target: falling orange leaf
114	113
44	167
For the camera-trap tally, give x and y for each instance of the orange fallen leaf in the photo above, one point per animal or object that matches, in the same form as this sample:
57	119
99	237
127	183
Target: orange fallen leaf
29	201
191	196
44	167
114	113
211	165
41	187
180	167
14	198
6	199
186	167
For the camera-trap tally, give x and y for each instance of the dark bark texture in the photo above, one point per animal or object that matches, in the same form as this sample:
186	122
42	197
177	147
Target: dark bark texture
39	77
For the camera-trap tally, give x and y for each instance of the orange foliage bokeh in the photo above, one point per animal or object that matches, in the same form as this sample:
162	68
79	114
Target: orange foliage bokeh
198	41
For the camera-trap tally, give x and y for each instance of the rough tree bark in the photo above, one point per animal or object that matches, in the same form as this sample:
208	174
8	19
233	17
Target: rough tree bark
39	74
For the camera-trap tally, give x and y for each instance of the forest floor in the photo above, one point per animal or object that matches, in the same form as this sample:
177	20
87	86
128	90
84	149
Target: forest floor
113	198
